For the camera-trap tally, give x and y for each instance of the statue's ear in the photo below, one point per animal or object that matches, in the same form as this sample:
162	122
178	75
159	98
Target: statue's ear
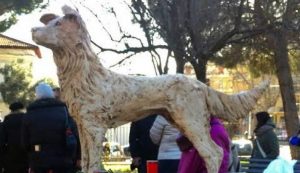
71	15
47	18
68	10
72	18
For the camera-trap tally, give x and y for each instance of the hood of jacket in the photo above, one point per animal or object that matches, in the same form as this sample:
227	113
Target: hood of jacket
266	127
215	121
45	102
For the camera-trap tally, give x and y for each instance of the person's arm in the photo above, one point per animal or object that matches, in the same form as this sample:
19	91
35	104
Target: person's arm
157	129
78	150
25	136
221	138
4	133
1	134
1	146
273	145
134	143
183	143
3	139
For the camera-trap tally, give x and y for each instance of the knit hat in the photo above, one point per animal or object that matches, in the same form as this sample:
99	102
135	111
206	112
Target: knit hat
43	90
262	117
16	106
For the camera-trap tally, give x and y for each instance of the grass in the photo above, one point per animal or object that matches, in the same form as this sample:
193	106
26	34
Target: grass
118	167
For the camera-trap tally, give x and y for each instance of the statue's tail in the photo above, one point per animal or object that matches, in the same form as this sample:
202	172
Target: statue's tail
233	107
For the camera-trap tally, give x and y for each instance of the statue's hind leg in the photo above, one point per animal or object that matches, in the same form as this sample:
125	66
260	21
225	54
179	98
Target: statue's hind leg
209	151
198	133
193	121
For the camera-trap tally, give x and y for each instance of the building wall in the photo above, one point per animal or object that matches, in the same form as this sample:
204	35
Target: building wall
119	134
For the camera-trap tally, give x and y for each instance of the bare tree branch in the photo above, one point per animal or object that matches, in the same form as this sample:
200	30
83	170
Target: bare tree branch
223	40
100	22
247	34
166	69
132	49
123	59
140	12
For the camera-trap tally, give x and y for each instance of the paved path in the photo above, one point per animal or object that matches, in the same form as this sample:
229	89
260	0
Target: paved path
285	151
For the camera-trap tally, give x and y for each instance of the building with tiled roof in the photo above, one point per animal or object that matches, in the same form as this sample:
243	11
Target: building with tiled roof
11	48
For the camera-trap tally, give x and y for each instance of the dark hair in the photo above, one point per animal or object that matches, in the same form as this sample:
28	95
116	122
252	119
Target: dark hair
262	118
56	89
16	106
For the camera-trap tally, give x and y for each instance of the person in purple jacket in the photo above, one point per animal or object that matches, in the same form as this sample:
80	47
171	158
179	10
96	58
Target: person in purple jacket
191	161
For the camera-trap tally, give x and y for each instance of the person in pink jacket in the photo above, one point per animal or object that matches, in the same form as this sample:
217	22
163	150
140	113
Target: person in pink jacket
191	161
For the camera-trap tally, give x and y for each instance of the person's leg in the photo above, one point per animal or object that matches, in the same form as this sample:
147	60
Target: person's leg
17	168
23	170
142	167
61	170
191	162
38	170
168	166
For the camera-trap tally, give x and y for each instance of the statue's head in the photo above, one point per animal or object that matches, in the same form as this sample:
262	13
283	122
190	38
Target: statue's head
60	32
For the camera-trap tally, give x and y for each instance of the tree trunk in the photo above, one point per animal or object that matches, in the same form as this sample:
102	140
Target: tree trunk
179	64
200	69
283	72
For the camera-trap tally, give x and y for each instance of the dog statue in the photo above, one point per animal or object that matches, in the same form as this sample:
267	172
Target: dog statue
99	98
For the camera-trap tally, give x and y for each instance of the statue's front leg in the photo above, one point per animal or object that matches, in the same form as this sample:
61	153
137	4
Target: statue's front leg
91	146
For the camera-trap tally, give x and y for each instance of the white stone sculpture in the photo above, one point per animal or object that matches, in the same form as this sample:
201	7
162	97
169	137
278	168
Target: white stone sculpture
99	98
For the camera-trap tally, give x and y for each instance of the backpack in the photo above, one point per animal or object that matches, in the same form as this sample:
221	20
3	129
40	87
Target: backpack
70	138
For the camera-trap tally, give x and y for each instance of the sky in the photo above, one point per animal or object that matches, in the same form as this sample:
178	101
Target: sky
45	66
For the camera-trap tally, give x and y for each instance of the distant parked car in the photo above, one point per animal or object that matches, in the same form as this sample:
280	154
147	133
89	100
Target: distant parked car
281	134
126	150
112	150
244	146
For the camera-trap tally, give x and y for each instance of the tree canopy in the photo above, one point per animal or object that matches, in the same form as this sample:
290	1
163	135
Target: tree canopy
10	9
17	83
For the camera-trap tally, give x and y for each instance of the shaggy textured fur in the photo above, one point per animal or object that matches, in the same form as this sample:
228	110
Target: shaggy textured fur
99	98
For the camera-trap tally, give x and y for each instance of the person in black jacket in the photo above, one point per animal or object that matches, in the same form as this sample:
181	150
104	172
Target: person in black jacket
14	157
266	144
44	133
1	146
141	146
